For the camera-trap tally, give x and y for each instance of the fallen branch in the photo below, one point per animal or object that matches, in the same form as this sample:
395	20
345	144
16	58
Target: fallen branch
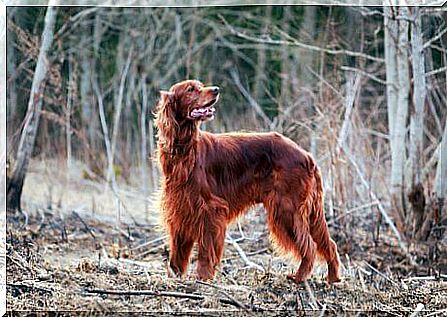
145	244
231	298
150	251
242	254
29	287
420	278
155	293
127	235
380	273
313	302
16	262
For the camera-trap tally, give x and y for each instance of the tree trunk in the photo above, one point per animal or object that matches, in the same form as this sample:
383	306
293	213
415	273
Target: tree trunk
305	58
260	78
397	77
28	136
118	108
144	156
89	115
416	195
400	128
441	177
68	112
284	100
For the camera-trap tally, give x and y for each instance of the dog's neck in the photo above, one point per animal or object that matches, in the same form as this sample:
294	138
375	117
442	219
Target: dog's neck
177	148
179	141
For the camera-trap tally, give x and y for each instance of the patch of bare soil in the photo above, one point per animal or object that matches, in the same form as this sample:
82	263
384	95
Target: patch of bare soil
83	264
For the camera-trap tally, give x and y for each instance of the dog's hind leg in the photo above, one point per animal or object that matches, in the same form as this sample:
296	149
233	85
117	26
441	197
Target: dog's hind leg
326	247
320	231
290	231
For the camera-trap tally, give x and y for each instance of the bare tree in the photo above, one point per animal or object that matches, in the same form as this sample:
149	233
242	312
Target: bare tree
118	109
441	175
144	173
260	75
416	195
397	74
28	136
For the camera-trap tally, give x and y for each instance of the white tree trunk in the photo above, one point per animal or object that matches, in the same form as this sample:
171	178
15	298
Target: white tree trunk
89	115
284	100
144	144
398	85
419	94
400	125
416	191
28	136
118	109
260	77
68	113
441	172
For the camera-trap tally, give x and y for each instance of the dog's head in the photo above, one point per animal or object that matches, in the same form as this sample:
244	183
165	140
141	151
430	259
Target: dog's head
190	100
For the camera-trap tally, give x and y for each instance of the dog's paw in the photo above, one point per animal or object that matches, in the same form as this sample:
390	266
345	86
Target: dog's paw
294	278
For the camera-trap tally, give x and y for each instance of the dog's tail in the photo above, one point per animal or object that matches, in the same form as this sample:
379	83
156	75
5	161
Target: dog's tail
317	212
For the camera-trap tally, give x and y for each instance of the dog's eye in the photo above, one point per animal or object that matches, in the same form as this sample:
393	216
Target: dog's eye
190	89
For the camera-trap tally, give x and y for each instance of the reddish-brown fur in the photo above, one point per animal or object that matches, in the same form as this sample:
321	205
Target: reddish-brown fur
210	179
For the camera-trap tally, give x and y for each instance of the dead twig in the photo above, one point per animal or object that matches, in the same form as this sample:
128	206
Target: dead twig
230	297
126	234
313	302
86	226
150	251
242	254
417	310
145	244
380	273
23	267
28	287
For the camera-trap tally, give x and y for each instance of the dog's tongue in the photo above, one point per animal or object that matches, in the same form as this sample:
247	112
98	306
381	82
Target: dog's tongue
202	112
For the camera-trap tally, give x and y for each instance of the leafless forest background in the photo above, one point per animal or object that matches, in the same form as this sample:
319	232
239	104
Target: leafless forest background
363	89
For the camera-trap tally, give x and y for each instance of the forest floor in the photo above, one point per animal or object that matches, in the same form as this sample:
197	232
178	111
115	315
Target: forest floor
75	260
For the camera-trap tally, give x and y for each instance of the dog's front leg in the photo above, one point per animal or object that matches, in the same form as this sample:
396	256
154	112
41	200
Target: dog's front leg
211	244
181	245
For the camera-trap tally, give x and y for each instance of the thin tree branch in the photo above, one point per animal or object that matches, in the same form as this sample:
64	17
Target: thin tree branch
294	42
434	39
436	71
250	99
362	72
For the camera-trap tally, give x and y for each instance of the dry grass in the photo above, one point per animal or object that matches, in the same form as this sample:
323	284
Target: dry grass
50	184
58	258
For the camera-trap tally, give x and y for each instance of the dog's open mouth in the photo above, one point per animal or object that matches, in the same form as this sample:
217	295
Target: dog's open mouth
206	112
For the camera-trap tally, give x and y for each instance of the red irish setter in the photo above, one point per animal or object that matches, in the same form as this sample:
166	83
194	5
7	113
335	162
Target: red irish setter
210	179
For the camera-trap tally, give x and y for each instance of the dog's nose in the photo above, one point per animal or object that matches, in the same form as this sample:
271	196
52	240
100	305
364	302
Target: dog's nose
215	90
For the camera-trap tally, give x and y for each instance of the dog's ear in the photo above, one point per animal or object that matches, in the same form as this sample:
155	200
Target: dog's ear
165	102
167	94
165	114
